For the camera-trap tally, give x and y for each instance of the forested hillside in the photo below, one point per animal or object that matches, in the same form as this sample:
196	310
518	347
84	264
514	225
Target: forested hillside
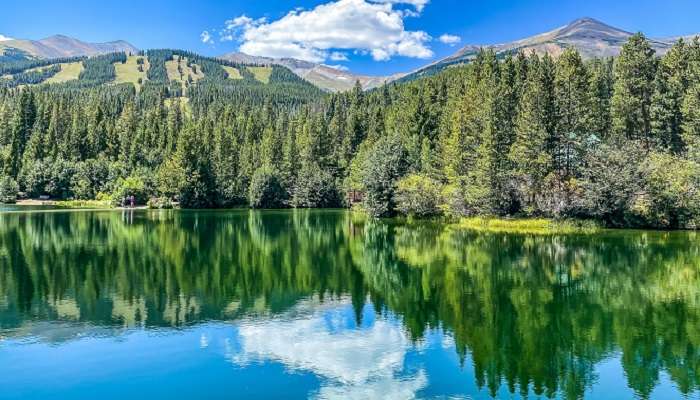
617	140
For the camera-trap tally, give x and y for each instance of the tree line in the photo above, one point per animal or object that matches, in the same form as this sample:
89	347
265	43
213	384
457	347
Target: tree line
614	140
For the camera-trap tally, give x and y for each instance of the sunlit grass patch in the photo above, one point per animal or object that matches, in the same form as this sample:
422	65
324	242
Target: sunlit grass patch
128	72
540	226
90	204
262	74
233	73
68	72
179	71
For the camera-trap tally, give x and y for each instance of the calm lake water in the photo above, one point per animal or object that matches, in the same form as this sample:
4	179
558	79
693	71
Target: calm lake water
326	304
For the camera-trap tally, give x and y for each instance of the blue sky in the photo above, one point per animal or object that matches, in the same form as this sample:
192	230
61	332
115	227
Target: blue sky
368	36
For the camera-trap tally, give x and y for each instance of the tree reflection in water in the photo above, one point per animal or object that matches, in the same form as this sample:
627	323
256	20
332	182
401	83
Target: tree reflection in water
529	312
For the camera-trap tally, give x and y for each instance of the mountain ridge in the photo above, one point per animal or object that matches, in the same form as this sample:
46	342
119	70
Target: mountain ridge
61	46
324	76
591	37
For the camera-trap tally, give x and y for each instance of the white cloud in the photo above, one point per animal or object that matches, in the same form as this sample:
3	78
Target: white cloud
418	4
374	27
206	37
450	39
5	38
338	56
357	363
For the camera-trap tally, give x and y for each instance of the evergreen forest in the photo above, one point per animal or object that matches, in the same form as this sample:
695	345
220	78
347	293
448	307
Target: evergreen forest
615	140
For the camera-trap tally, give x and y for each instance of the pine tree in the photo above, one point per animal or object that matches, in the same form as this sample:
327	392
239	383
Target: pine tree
635	69
572	103
530	151
600	94
670	86
22	124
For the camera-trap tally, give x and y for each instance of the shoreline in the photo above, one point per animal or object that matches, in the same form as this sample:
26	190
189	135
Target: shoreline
74	204
528	226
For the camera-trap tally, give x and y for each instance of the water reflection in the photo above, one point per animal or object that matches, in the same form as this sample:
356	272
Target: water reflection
359	305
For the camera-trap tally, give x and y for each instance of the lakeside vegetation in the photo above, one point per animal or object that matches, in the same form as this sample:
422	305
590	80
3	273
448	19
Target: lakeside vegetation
537	226
526	136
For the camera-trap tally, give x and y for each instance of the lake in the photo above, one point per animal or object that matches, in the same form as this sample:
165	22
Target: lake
329	304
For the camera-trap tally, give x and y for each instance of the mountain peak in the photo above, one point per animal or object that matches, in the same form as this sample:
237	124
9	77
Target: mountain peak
591	37
586	21
59	46
592	24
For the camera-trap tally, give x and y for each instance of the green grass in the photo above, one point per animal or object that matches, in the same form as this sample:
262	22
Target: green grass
262	74
91	204
538	226
175	75
129	71
68	72
232	72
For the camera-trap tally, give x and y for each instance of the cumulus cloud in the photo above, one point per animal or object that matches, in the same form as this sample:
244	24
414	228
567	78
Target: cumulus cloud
374	27
417	4
206	37
450	39
358	363
338	56
5	38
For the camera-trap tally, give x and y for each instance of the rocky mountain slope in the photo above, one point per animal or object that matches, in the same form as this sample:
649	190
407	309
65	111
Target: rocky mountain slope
323	76
60	46
590	37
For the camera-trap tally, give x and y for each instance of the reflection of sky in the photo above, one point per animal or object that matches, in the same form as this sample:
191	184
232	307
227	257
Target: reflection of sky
355	362
314	350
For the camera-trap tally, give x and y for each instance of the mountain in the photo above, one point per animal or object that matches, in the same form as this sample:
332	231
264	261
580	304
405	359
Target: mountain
590	37
60	46
326	77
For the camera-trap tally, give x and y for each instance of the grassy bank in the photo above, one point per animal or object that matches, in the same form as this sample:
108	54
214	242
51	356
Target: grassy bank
89	204
538	226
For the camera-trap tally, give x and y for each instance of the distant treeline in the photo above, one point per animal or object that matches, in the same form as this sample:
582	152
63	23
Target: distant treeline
616	140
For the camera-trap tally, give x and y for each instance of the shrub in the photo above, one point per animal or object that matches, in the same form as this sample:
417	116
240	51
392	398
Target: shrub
170	178
266	190
160	203
8	190
131	186
611	184
315	189
385	164
418	196
672	195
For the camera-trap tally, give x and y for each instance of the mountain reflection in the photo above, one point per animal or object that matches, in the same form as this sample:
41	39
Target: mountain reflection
534	314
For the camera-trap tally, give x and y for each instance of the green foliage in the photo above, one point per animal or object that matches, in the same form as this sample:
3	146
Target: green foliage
160	203
266	190
31	77
100	69
8	190
612	183
383	167
130	186
418	196
635	70
672	195
170	178
315	189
